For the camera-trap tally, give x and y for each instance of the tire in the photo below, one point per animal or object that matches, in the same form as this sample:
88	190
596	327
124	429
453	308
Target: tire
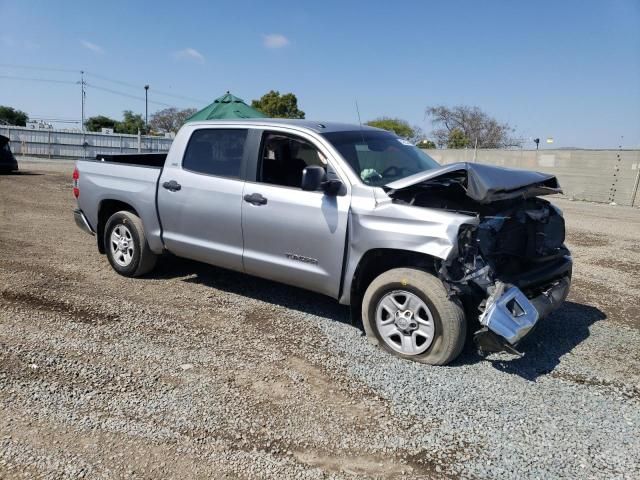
435	330
132	257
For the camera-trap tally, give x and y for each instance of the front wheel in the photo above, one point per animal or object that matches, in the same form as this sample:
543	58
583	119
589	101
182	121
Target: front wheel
408	312
126	245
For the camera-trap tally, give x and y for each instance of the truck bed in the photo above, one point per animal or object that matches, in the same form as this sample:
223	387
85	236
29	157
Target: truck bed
129	179
140	159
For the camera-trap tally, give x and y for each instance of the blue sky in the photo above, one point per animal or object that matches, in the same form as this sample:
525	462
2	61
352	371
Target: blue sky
563	69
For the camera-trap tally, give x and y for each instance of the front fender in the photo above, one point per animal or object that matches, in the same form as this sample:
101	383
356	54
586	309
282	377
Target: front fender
400	227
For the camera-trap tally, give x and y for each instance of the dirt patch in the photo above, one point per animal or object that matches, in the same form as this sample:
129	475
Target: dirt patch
37	302
632	392
355	465
614	302
630	267
585	239
633	248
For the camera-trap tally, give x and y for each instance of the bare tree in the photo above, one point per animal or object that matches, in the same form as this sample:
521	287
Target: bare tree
170	119
475	125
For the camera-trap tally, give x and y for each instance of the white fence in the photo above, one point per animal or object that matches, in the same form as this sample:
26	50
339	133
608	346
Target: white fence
73	144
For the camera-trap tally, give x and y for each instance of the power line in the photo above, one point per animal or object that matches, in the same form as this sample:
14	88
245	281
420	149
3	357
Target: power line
102	77
33	79
70	82
155	91
30	67
119	82
85	84
123	94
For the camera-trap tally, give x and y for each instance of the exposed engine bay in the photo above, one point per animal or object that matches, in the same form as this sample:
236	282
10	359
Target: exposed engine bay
512	267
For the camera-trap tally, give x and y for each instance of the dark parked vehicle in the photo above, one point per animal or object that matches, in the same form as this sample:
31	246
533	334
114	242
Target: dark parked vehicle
8	162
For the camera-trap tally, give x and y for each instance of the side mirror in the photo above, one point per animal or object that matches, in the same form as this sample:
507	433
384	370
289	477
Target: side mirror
332	187
313	177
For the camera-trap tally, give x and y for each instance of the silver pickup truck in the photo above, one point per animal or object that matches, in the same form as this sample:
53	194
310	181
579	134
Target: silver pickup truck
422	253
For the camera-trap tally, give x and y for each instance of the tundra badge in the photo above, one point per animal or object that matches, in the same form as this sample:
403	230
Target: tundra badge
301	258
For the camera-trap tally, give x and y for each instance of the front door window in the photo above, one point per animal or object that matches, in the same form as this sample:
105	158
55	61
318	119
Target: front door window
283	158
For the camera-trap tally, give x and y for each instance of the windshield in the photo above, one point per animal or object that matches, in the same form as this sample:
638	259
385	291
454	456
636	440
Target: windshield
379	158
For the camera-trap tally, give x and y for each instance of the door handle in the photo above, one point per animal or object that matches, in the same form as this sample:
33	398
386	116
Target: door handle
255	199
172	186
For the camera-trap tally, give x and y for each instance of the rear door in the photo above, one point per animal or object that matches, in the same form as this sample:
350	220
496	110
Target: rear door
200	201
290	235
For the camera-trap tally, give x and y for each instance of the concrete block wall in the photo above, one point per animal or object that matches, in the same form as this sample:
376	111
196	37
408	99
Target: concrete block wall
595	175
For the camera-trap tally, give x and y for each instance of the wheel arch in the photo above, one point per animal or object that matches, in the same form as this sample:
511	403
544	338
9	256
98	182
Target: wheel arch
379	260
107	208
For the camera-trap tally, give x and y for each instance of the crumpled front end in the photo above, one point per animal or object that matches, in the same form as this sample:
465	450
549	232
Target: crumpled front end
514	268
511	265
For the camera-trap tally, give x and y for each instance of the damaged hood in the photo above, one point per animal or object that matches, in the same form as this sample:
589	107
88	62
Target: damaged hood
485	183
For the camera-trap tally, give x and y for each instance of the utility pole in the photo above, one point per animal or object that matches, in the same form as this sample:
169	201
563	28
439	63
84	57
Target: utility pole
84	94
146	106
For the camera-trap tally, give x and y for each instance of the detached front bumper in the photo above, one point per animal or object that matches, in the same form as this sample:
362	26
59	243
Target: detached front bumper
82	222
513	315
510	315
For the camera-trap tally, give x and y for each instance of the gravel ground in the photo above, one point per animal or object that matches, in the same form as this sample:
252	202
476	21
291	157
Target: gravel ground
198	372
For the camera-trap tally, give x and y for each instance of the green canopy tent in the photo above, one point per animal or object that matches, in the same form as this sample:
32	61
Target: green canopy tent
226	106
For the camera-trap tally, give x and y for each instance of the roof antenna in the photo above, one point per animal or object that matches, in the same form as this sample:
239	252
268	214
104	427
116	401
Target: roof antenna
359	121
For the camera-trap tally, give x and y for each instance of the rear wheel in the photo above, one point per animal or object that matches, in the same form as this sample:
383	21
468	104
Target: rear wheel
126	245
408	312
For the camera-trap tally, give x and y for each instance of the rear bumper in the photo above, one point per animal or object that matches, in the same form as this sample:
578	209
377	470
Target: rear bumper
81	221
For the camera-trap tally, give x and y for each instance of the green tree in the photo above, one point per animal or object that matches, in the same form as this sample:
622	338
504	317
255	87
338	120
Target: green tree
95	124
12	116
424	143
274	105
457	139
131	123
395	125
170	119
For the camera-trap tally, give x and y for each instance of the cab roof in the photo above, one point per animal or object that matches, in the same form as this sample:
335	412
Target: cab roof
315	126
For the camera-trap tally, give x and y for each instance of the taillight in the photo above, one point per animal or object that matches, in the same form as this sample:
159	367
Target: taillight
76	176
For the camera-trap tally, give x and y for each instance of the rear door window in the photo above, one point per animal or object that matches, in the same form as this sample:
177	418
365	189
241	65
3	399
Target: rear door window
216	152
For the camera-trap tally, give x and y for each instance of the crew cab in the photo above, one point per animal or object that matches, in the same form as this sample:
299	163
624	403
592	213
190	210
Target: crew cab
421	252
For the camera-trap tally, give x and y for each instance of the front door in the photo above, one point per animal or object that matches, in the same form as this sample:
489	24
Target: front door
290	235
199	203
